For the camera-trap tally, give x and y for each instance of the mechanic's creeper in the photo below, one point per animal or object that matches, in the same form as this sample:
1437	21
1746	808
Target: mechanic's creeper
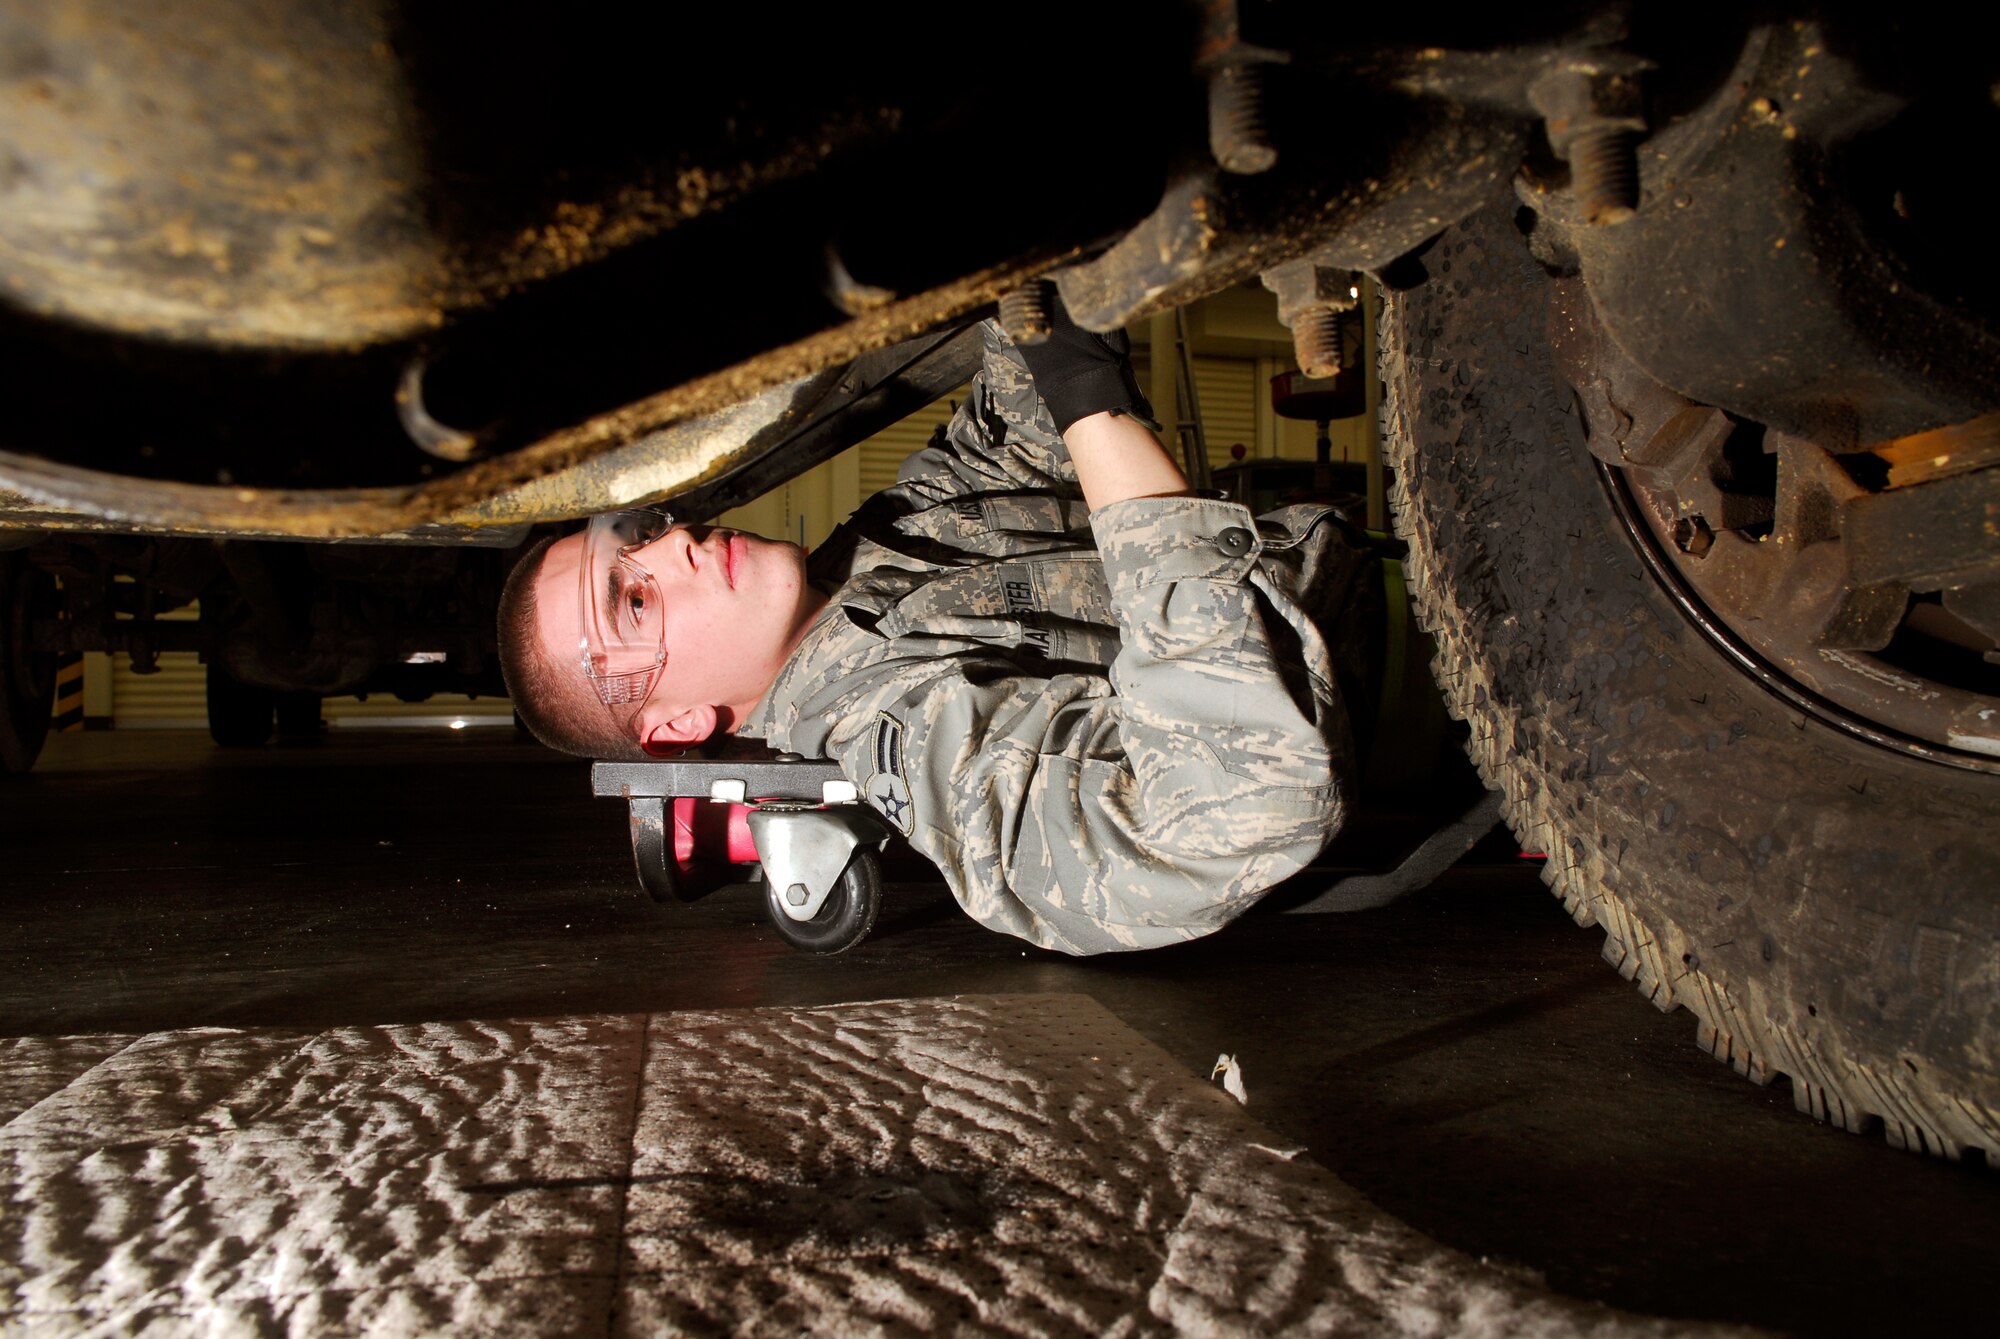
800	819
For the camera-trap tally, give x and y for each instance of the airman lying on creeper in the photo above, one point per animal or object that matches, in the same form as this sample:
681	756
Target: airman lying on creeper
1112	712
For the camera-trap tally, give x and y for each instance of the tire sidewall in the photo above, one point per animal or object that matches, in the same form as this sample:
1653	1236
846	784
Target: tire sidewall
27	678
1846	894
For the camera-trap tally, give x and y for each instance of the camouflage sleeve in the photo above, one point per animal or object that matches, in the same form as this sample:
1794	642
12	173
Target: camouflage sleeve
1000	437
1090	815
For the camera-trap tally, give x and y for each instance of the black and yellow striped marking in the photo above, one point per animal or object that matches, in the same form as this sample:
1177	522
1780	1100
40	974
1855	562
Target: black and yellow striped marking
69	692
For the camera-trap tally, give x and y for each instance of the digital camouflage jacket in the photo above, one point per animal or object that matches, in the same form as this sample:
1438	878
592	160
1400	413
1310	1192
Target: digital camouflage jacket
1109	731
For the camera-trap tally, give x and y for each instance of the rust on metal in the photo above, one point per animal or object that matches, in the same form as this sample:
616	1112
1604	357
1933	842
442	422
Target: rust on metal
1812	571
1943	532
1212	229
1954	449
663	445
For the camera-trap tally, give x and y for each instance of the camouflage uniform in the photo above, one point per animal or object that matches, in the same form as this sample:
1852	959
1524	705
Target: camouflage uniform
1107	744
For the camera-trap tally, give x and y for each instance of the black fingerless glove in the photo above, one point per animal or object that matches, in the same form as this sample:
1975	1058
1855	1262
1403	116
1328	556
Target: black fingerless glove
1079	373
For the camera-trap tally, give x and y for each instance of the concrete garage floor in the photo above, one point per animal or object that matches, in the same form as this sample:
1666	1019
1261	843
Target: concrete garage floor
1463	1059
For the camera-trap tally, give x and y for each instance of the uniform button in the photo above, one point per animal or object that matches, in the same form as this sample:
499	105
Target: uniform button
1234	541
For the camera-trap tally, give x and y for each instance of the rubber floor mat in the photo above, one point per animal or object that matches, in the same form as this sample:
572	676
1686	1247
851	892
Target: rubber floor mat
1012	1165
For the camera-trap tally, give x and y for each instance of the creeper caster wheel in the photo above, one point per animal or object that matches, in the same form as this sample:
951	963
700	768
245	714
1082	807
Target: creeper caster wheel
844	918
678	848
798	818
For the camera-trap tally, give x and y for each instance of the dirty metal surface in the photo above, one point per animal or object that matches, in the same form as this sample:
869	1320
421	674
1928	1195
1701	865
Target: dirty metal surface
1812	580
1000	1164
1791	303
267	247
693	440
229	174
1213	229
308	175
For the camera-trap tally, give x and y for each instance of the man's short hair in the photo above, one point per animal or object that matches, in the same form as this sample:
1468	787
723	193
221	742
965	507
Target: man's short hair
551	698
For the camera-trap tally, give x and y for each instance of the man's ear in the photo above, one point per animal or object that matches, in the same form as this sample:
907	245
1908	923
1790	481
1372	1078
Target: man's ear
664	734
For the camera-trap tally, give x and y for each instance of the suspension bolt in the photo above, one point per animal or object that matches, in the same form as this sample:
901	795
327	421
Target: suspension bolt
1315	295
1238	134
1693	537
1593	115
1604	173
1317	335
1024	313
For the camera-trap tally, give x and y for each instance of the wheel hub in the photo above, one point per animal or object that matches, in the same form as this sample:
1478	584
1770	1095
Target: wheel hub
1863	584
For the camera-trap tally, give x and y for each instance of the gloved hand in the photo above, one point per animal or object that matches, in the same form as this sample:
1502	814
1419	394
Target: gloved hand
1079	373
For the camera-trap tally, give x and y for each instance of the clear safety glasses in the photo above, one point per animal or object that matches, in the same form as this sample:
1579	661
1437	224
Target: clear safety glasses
624	628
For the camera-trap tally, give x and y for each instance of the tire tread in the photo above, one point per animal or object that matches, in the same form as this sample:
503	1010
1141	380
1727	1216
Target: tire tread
1912	1113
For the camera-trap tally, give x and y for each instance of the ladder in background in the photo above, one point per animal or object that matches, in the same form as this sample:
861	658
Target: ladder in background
1187	410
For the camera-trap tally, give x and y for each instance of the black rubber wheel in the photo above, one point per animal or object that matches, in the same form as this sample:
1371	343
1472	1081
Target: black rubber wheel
27	677
665	880
239	716
844	919
299	718
1827	908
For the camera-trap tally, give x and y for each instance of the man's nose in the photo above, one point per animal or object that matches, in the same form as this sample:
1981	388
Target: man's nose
672	554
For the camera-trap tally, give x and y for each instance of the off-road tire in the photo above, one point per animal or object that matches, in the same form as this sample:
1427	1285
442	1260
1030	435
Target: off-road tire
299	717
239	716
27	676
1827	908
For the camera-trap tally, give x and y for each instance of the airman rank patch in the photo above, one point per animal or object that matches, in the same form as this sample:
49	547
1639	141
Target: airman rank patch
886	789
